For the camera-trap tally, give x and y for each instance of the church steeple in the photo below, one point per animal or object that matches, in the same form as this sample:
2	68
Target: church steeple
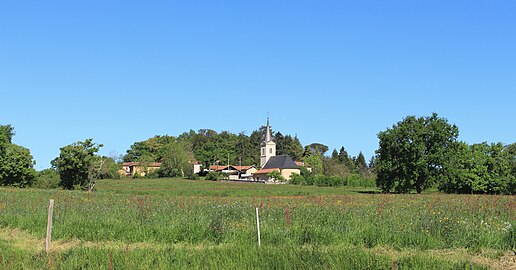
268	132
268	148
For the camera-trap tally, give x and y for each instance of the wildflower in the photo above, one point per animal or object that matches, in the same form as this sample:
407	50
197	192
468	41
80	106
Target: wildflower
507	226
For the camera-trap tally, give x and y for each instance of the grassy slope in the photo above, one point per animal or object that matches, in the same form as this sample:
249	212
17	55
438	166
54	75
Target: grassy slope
172	223
180	187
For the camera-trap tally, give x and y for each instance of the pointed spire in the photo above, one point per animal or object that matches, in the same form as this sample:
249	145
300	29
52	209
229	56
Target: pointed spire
268	132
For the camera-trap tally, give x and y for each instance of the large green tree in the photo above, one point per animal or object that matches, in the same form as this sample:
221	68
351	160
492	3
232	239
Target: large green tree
413	154
316	149
152	149
345	159
479	168
16	166
361	165
76	164
16	162
176	162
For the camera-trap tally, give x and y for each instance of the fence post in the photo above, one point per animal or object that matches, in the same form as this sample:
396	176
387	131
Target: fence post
49	225
258	226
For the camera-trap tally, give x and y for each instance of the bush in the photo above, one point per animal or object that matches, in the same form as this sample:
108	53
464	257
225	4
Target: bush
193	177
48	178
276	175
297	179
320	180
152	174
213	176
356	180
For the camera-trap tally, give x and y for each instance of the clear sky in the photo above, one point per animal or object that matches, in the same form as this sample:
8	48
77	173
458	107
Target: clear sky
334	72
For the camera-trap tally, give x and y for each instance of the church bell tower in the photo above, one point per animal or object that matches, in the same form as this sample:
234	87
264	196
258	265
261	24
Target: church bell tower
268	147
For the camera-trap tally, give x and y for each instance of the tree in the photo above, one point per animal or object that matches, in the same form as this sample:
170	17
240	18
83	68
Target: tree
316	148
108	168
6	135
150	149
47	178
279	139
332	167
316	162
292	147
16	162
16	166
335	154
345	159
276	175
245	149
413	154
511	153
479	168
361	165
176	162
75	163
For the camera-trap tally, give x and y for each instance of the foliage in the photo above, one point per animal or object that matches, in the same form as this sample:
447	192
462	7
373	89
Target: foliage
152	149
316	149
75	163
316	162
413	153
480	168
16	162
47	179
176	161
276	175
333	167
353	180
108	168
210	147
16	166
297	179
345	159
361	165
6	135
214	176
511	154
288	145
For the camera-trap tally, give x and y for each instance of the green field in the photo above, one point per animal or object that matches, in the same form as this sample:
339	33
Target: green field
180	224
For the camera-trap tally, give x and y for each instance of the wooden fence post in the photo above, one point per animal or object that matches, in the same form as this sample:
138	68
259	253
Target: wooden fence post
49	225
258	226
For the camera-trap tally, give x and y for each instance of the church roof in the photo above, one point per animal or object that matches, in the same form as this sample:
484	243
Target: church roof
281	162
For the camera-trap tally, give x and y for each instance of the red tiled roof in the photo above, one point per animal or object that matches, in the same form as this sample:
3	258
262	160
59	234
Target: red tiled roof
265	171
302	164
242	168
217	167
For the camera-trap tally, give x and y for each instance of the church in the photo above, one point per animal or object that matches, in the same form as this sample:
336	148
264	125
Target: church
269	162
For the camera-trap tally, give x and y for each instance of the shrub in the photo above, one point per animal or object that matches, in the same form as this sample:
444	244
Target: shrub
213	176
48	178
297	179
276	175
194	177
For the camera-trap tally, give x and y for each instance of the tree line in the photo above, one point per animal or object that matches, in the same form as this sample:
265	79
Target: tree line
415	154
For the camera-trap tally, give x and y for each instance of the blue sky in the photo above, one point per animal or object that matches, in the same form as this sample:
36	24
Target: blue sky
334	72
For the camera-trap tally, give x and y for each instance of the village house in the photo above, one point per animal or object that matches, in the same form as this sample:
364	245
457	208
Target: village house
140	168
235	172
131	169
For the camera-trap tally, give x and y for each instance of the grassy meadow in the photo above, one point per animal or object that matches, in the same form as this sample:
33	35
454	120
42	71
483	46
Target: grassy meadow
180	224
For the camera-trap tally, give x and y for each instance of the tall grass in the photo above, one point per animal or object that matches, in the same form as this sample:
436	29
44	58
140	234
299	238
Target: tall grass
204	230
